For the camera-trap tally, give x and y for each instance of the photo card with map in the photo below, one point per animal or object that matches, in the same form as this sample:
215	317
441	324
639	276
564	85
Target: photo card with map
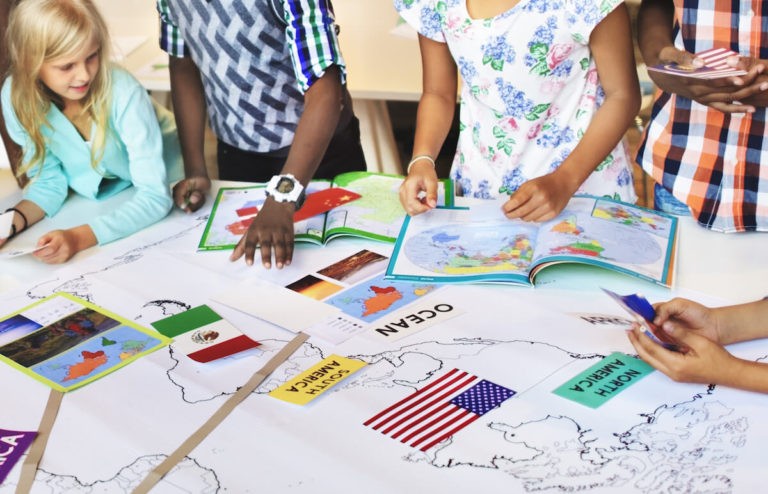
66	342
469	245
360	204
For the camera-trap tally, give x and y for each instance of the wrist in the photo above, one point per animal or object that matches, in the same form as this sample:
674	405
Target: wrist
421	160
19	222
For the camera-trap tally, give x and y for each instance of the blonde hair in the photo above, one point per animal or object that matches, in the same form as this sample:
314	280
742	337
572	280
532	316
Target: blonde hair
44	30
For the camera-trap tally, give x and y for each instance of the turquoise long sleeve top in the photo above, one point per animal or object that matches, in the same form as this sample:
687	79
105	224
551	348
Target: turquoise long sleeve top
133	156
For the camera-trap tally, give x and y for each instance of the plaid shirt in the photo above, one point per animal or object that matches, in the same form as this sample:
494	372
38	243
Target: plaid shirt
254	65
708	159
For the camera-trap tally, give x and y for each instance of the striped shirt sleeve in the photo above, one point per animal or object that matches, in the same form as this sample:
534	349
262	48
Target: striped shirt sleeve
171	41
312	40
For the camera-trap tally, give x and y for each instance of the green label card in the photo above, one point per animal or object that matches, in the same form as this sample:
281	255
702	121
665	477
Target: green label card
604	380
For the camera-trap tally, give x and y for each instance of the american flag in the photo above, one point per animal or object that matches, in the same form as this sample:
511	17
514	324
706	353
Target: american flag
440	409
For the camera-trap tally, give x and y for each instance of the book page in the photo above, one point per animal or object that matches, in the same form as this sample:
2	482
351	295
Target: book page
464	245
378	214
609	233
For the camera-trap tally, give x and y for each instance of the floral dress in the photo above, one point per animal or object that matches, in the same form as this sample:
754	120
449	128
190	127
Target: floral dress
529	91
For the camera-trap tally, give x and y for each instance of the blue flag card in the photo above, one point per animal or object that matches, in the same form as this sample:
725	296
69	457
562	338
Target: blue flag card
643	313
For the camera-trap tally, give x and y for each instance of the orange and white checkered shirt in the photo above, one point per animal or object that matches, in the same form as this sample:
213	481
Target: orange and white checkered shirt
716	163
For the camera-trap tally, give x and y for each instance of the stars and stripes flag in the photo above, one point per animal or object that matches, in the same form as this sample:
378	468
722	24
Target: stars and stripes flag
440	409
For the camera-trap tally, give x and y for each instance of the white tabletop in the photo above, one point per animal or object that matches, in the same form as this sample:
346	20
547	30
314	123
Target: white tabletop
526	339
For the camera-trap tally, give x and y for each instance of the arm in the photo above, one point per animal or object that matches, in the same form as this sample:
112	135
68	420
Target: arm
272	230
189	109
319	69
11	148
545	197
702	332
433	121
654	25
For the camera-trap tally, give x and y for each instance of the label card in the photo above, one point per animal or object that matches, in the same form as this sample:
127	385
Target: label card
313	382
413	318
13	444
604	380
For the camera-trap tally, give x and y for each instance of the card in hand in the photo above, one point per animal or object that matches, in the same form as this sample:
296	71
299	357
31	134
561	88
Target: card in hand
643	313
715	66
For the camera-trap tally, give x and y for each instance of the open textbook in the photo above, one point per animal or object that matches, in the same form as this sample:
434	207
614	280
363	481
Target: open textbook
479	244
375	213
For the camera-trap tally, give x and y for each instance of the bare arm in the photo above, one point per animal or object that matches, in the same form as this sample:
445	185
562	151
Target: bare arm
433	122
702	332
272	230
189	109
731	95
545	197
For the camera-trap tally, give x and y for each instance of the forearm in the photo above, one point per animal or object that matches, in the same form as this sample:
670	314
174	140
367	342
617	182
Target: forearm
742	322
31	212
433	122
322	108
654	27
82	237
746	375
189	106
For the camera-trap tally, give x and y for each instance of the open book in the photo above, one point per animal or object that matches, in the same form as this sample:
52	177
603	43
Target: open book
376	214
479	244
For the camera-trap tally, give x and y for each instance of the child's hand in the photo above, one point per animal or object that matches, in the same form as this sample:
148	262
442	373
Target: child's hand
705	361
59	246
724	94
189	194
418	192
681	314
271	230
539	199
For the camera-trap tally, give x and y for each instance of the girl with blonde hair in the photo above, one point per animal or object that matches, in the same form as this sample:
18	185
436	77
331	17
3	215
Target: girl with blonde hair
82	123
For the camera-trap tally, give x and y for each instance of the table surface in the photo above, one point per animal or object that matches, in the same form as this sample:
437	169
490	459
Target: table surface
110	433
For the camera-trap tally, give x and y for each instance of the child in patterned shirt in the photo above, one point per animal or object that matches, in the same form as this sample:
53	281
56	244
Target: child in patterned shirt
548	91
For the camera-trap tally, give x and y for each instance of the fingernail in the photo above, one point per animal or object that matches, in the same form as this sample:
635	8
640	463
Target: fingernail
764	86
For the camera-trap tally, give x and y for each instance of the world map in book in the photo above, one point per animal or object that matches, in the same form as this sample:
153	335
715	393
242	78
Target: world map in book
609	232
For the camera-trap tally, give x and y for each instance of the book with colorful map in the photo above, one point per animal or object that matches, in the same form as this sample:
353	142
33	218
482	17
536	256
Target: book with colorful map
375	213
480	245
66	342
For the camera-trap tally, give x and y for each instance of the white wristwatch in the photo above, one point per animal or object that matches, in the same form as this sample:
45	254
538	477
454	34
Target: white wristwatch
285	188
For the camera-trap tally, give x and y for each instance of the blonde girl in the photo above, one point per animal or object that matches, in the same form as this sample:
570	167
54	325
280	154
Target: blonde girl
83	124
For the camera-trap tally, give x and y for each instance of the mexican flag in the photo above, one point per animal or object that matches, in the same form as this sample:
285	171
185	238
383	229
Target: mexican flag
203	335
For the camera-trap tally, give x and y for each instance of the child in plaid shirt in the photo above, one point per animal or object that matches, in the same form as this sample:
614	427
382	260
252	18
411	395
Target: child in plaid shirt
706	140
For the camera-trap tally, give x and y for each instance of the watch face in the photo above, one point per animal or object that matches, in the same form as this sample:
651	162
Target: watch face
284	185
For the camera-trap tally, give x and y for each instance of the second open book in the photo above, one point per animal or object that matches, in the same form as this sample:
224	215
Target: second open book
479	244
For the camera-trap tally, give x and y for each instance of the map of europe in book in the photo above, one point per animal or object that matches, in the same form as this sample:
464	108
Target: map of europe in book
479	244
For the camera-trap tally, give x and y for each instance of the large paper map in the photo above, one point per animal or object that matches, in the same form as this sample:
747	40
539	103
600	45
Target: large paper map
656	437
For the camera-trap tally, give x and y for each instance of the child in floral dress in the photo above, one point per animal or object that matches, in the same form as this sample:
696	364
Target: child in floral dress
549	88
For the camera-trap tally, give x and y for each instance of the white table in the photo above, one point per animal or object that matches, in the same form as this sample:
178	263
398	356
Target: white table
109	434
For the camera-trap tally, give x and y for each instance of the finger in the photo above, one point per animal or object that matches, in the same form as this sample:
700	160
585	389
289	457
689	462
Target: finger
431	196
542	213
734	107
195	200
648	350
520	205
239	250
411	202
278	246
289	245
266	253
